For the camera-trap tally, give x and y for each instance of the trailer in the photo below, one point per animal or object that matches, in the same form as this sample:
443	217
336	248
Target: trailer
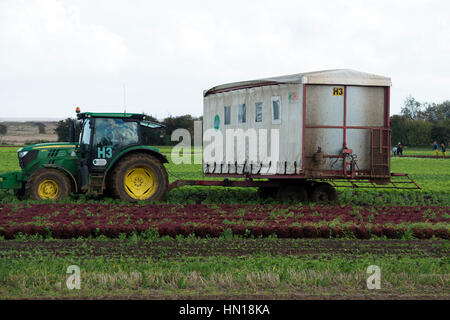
331	129
297	137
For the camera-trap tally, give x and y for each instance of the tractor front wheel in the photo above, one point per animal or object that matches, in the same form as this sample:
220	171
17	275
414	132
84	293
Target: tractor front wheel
139	177
48	184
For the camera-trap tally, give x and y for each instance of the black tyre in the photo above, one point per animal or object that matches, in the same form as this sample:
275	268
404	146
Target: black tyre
48	184
293	193
323	192
139	176
267	192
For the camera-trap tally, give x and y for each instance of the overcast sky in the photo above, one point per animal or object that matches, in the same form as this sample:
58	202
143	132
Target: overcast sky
55	55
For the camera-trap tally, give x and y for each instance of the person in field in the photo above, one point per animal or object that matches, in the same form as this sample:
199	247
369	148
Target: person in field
443	148
394	151
399	149
435	148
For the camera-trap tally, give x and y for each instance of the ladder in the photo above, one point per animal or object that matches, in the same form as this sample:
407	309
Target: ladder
380	153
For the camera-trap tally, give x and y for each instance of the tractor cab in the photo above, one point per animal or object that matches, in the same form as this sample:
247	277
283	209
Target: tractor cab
107	137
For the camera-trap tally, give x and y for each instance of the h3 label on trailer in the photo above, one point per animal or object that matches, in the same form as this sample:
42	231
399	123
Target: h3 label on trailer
338	91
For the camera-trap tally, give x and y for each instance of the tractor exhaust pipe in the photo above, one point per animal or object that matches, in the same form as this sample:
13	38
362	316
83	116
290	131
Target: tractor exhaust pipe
71	131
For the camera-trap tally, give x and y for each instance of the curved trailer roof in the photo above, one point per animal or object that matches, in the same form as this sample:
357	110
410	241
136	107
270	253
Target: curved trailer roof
337	77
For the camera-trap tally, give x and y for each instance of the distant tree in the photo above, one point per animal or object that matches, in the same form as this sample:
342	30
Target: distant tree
411	108
152	137
179	122
62	130
41	127
410	132
3	131
441	131
435	112
398	129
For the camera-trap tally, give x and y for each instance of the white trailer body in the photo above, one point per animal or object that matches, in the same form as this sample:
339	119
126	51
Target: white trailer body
322	118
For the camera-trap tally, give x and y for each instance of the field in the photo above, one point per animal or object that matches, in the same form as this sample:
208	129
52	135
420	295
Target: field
228	243
28	132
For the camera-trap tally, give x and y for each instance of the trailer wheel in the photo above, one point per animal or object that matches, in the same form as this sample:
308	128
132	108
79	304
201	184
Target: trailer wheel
139	177
267	192
323	192
293	193
48	184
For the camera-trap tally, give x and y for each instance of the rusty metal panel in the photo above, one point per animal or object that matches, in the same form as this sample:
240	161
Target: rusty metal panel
359	141
323	107
330	142
380	153
365	106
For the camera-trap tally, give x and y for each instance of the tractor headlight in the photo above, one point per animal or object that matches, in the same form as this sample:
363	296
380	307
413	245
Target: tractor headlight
22	154
25	157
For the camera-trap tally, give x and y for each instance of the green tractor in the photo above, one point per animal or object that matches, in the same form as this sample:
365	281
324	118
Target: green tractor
111	157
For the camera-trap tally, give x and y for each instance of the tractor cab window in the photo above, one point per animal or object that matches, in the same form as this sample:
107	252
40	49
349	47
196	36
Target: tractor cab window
115	133
85	137
111	136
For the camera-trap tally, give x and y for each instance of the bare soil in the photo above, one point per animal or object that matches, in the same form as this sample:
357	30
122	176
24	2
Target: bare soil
311	248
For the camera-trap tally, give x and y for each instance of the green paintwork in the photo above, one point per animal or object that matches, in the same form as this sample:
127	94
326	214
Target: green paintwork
47	145
61	155
11	180
65	156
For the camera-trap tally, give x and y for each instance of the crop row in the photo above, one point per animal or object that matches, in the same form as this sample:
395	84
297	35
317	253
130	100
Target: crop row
67	221
173	230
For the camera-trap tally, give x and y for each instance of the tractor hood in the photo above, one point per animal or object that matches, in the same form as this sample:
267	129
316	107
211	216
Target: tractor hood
50	145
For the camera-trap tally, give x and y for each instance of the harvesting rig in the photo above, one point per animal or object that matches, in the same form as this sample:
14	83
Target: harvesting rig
332	126
112	157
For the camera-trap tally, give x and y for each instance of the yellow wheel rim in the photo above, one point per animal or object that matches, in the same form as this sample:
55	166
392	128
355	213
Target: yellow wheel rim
48	189
140	183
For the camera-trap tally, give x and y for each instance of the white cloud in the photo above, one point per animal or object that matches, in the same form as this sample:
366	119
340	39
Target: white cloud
46	38
82	51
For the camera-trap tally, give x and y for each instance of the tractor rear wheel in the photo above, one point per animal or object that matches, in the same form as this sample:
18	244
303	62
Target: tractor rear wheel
48	184
139	177
323	192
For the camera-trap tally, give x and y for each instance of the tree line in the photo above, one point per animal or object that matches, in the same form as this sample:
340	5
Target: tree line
421	123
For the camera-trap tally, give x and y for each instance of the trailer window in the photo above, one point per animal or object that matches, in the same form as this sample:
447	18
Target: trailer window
276	110
258	115
227	115
242	113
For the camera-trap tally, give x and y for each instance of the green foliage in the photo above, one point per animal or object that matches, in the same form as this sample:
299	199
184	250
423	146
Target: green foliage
410	132
441	131
180	122
3	129
63	128
421	123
